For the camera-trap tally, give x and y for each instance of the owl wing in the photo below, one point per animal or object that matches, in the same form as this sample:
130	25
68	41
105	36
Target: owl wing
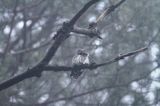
75	60
91	59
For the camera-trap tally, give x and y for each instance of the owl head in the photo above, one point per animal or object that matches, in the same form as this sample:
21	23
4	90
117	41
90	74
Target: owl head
82	52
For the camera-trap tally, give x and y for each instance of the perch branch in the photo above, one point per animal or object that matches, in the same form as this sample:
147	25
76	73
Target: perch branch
94	66
61	35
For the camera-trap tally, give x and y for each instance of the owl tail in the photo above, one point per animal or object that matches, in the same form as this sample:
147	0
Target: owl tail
75	73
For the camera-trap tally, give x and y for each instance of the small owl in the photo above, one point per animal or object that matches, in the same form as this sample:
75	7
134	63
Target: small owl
80	58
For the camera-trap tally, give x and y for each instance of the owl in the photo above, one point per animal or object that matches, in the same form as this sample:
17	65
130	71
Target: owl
80	58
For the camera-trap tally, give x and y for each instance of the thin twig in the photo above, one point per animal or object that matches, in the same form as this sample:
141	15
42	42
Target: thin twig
10	32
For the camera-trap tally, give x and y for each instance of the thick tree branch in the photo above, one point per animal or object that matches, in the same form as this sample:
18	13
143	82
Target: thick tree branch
61	36
63	33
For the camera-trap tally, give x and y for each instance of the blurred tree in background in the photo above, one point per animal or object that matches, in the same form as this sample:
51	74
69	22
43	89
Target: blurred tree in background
26	27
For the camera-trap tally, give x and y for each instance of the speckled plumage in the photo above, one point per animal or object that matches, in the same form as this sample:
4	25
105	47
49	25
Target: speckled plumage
80	58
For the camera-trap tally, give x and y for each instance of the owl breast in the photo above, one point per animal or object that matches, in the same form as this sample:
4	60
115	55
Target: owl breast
79	60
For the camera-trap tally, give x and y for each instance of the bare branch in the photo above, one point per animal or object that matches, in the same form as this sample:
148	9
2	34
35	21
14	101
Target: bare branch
94	66
109	10
10	32
61	36
27	50
87	32
81	12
